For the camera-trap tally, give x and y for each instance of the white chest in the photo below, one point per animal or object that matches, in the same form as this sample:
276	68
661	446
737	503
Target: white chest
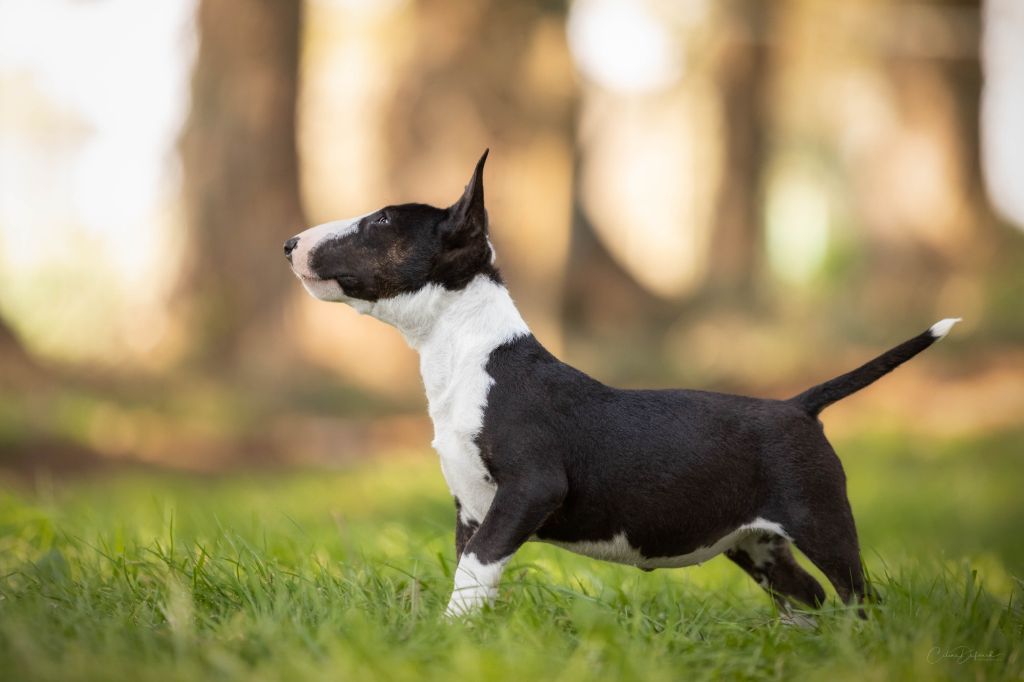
468	481
455	333
457	409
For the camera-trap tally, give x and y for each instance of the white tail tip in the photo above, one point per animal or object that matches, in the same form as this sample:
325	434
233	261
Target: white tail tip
942	327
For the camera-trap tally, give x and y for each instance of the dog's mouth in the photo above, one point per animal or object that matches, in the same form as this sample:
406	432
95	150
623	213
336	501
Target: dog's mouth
323	288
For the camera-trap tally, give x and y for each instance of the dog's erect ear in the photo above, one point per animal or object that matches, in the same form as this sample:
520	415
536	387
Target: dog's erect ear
467	216
465	251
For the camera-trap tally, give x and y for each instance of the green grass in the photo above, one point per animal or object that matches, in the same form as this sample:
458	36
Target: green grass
344	575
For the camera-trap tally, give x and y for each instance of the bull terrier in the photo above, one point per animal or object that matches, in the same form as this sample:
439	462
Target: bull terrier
533	449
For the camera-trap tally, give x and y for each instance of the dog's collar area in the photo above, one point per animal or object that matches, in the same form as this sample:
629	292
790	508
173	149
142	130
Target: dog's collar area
480	313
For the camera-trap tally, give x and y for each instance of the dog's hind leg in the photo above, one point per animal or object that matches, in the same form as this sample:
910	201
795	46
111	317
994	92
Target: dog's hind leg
815	512
832	546
768	559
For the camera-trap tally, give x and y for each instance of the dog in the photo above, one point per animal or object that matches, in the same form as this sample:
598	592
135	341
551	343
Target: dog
533	449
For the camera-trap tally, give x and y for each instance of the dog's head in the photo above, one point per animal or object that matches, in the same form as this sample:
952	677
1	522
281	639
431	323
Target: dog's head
397	249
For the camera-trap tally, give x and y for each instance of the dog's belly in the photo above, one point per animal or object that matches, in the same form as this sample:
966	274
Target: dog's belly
619	550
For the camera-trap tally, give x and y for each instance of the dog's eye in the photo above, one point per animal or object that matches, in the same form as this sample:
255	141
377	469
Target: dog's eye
382	219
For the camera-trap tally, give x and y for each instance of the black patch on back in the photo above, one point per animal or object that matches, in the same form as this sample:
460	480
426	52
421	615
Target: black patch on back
675	469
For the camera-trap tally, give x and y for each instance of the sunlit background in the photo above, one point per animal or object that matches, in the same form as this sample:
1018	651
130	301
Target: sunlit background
745	196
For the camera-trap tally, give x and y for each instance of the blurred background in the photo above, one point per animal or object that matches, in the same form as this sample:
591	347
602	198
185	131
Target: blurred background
747	196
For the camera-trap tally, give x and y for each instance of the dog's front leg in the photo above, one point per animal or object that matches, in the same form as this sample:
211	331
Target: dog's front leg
519	508
464	530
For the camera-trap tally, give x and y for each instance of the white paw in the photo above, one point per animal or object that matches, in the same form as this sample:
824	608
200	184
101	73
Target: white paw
468	600
476	584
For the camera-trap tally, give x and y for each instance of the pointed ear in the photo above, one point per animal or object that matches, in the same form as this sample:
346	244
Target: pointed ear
468	217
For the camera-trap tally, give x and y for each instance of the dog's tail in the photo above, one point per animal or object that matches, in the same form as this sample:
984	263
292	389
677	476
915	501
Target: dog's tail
817	398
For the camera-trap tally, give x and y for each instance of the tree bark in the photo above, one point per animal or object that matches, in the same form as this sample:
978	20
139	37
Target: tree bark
737	239
11	350
18	371
241	176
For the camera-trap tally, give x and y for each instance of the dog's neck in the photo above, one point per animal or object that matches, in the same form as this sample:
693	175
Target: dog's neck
481	311
453	331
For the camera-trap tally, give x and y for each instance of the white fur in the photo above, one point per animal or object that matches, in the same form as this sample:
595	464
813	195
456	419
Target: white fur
455	332
760	553
942	327
323	289
619	550
476	584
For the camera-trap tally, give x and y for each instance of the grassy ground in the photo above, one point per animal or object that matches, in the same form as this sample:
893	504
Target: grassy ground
344	575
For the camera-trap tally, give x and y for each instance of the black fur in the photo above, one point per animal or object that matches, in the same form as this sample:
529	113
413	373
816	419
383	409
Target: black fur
675	470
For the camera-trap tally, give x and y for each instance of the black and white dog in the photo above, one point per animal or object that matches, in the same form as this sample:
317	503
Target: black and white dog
533	449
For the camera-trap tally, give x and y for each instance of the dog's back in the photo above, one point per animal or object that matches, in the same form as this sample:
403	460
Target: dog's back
675	470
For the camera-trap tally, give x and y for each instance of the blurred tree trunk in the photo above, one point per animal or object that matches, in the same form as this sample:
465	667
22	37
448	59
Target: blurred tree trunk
737	238
600	295
241	184
965	79
11	349
7	338
18	371
937	88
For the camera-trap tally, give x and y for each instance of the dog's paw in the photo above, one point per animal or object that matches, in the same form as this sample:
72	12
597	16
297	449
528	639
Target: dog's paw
796	619
468	600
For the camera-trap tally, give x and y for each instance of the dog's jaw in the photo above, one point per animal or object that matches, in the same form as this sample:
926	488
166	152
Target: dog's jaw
323	289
